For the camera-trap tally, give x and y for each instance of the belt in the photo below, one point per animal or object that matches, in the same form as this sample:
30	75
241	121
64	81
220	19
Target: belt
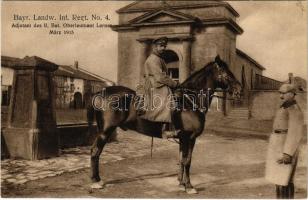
281	131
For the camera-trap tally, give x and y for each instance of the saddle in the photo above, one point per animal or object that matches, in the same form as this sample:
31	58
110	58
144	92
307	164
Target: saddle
186	99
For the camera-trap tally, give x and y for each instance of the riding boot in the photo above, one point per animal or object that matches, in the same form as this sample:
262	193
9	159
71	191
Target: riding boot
282	192
286	192
279	191
291	190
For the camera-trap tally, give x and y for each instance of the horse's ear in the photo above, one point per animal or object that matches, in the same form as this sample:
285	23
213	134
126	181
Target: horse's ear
217	59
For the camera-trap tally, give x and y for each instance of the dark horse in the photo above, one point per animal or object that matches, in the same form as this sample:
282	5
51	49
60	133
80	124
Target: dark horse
213	76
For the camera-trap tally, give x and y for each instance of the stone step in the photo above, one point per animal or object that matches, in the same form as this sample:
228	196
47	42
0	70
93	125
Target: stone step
239	113
238	117
242	108
239	110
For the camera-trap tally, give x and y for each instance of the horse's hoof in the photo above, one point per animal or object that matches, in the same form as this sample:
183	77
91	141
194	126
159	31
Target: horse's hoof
98	185
191	191
182	188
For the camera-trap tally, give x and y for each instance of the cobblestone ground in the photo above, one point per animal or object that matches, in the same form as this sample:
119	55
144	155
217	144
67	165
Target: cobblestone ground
130	145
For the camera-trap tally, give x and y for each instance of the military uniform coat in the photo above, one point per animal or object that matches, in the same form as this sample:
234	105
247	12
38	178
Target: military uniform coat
289	121
157	84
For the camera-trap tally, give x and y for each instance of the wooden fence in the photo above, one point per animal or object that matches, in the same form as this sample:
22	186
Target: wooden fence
265	83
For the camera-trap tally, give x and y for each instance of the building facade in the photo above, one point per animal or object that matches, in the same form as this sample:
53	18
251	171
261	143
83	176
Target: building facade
198	31
73	85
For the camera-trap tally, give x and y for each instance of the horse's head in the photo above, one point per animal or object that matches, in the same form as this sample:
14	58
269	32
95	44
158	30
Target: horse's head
225	79
214	75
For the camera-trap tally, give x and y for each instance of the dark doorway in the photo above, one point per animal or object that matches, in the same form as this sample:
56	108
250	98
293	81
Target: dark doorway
5	98
172	61
78	100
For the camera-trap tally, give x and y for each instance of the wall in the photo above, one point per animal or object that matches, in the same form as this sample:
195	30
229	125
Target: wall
64	98
167	30
79	85
128	59
209	42
59	91
124	18
208	12
75	135
248	66
265	103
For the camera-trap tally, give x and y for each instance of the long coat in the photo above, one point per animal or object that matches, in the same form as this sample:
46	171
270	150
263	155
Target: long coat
289	119
158	98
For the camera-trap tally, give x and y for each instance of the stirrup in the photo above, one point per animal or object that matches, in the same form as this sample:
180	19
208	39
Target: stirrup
170	134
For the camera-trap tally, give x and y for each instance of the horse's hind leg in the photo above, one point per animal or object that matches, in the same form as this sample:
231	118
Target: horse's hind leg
181	167
96	151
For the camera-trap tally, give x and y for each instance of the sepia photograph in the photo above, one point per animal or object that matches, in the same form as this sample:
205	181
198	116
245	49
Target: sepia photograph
154	99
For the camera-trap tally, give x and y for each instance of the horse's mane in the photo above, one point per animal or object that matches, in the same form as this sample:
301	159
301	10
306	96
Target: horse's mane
198	77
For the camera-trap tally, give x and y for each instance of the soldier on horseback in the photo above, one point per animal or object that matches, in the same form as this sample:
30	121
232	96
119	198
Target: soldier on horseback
158	87
159	102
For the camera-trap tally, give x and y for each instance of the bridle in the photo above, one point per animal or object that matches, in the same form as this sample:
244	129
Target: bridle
222	76
225	77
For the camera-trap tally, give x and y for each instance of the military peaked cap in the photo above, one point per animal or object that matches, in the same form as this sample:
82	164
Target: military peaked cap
161	40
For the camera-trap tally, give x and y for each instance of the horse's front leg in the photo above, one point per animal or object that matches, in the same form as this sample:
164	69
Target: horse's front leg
187	156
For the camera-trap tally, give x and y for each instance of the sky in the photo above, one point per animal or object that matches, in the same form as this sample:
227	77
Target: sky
275	35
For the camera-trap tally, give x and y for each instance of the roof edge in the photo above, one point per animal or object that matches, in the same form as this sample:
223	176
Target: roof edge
13	61
8	61
211	21
169	11
217	4
126	7
95	75
241	53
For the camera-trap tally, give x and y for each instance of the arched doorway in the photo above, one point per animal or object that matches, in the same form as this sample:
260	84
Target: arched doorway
172	61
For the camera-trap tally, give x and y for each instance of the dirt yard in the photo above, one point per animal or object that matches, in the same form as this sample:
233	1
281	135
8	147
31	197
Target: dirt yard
222	167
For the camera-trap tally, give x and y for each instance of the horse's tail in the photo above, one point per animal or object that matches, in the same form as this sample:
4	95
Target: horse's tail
99	119
90	118
92	114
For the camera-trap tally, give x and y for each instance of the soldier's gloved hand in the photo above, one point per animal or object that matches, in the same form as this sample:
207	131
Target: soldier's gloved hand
285	159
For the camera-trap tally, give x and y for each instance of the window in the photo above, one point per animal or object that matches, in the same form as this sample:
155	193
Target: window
174	73
72	87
